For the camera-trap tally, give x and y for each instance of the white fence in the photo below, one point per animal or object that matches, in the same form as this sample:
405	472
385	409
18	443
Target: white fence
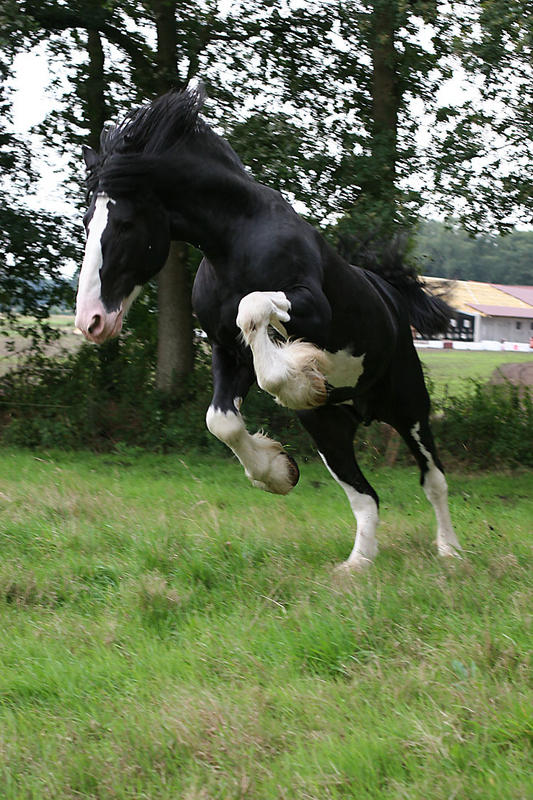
447	344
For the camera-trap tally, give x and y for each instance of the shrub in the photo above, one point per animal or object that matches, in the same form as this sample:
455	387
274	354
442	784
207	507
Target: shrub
493	424
105	398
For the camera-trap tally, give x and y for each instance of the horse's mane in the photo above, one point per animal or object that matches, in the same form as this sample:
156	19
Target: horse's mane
135	150
130	148
156	127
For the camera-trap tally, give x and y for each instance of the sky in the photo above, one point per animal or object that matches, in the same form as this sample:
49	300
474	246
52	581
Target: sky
31	103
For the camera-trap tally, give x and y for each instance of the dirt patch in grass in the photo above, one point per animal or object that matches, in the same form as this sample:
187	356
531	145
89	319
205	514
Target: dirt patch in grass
518	374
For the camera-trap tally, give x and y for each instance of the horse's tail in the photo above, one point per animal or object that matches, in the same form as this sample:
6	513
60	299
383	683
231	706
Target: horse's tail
429	313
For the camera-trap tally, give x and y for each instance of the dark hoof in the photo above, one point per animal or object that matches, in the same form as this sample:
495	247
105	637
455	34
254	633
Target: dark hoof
294	472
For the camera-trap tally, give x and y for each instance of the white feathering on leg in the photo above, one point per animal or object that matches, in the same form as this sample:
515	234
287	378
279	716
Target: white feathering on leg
293	372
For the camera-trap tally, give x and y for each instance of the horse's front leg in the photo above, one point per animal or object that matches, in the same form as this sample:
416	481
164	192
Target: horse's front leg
265	462
292	371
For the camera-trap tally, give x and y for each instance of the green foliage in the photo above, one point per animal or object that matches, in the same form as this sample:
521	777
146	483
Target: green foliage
34	245
105	399
449	252
493	424
95	398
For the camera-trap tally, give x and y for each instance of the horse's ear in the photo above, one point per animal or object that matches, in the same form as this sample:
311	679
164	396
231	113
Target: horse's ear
90	156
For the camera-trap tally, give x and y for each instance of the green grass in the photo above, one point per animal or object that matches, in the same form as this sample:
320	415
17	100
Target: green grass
452	371
169	632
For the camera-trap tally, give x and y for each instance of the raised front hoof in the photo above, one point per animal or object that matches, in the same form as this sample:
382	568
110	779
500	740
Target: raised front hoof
356	563
282	476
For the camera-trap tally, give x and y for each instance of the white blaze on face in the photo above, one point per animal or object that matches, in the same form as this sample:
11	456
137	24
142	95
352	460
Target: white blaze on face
89	289
92	319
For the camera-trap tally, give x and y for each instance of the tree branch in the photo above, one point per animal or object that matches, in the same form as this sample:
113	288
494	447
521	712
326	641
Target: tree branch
93	17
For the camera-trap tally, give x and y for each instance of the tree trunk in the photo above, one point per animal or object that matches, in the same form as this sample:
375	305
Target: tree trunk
385	107
175	330
167	44
93	89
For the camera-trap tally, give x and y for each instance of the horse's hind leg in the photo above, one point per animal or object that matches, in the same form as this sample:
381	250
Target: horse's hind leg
265	462
408	410
333	429
417	434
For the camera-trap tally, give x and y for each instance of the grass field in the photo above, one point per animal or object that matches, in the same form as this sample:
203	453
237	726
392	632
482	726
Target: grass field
452	371
15	348
169	633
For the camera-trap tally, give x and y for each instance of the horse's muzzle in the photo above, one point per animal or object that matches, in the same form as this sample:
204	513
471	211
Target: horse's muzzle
97	324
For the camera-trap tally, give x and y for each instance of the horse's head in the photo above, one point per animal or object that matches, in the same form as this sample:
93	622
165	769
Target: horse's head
128	240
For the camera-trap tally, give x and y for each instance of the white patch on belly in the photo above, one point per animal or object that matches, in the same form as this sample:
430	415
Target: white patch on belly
345	369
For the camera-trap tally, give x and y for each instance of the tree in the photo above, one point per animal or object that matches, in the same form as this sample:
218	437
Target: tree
449	252
153	71
174	341
317	99
484	142
180	45
371	70
357	65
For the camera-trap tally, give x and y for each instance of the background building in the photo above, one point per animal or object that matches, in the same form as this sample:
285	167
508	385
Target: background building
487	311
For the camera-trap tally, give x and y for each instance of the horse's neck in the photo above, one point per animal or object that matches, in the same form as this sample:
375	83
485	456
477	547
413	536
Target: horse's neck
210	193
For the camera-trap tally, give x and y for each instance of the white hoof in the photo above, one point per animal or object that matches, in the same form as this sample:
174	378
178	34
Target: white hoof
449	550
281	476
356	563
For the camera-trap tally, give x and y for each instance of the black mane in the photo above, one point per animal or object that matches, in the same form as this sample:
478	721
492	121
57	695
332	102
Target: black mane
129	149
156	127
137	149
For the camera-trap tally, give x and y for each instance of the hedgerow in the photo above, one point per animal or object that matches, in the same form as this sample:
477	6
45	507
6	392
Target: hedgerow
103	399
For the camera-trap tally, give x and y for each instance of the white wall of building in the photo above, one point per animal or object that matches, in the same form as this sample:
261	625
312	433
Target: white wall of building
506	328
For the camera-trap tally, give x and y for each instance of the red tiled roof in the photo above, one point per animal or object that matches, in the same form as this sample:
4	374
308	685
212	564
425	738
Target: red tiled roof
524	293
504	311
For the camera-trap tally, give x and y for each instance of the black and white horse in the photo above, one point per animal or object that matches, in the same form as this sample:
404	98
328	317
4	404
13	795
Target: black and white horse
279	305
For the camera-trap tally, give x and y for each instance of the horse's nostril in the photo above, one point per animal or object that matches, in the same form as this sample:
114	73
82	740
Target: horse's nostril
95	323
